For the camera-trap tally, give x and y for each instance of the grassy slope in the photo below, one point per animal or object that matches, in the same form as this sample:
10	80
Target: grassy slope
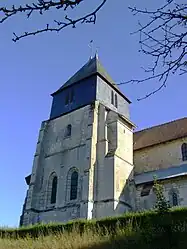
148	236
127	238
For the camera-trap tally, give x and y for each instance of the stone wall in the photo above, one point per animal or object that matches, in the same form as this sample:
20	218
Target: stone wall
177	185
59	155
160	156
114	164
100	148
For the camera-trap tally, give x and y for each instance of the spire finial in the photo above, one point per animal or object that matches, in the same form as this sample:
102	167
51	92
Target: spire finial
91	48
97	53
90	45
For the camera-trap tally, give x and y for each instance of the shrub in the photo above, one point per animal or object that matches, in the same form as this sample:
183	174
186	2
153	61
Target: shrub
162	205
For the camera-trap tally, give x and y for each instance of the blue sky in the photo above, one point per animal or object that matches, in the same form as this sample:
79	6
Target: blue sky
35	67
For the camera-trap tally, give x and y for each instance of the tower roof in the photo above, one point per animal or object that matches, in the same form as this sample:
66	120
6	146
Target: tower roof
92	67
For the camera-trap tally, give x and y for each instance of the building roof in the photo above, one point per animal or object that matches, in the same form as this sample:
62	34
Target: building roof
161	174
160	134
92	67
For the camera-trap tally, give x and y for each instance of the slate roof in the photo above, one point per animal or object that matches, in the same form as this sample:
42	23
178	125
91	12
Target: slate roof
160	133
92	67
161	174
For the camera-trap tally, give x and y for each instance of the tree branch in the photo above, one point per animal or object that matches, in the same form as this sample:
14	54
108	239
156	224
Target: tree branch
164	39
41	7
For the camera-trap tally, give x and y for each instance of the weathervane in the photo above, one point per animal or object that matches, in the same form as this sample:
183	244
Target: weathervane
91	49
97	52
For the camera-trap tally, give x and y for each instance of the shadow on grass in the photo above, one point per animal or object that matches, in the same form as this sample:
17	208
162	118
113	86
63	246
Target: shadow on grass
143	241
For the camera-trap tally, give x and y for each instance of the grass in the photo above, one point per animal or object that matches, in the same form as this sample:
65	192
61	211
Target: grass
147	230
72	240
128	238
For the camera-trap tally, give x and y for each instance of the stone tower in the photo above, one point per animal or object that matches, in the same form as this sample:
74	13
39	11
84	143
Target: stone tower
84	154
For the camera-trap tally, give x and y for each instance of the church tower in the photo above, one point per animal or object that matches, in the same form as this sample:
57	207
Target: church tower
84	154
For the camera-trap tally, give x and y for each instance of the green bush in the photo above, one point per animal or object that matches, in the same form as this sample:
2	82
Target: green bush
171	222
162	205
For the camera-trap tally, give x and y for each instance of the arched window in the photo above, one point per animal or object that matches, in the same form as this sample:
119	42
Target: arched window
116	101
54	190
174	199
184	151
68	131
74	185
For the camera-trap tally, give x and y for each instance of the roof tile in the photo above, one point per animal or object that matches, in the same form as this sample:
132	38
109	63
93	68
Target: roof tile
160	133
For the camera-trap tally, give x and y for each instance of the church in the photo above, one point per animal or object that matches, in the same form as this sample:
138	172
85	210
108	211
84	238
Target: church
90	162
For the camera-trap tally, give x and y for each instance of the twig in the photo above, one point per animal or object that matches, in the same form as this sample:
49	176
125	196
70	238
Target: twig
164	39
41	7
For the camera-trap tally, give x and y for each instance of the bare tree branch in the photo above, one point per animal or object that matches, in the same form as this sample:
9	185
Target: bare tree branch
164	39
41	6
